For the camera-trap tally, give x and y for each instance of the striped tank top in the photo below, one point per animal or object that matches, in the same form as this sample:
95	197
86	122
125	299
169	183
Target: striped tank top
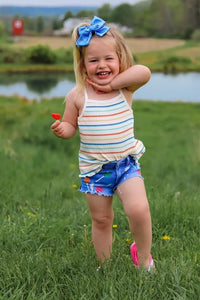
106	133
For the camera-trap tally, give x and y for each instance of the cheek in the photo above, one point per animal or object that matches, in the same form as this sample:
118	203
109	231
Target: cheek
90	70
117	68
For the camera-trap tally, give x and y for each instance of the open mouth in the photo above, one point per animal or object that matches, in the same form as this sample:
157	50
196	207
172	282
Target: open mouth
103	75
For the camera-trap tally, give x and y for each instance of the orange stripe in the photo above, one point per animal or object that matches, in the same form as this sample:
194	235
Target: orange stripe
94	116
110	152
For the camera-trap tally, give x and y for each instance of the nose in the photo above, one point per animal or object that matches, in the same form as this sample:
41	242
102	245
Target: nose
102	64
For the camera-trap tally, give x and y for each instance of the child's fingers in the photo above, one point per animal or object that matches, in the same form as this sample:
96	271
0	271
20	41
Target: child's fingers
89	81
92	83
55	125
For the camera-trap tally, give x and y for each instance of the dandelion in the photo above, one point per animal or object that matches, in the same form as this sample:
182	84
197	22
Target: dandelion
74	186
166	237
32	215
128	240
114	226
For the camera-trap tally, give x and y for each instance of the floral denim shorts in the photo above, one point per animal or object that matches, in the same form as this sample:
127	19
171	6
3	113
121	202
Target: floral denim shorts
106	181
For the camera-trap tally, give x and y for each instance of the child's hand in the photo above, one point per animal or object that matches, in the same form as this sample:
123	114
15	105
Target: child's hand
57	128
100	88
63	130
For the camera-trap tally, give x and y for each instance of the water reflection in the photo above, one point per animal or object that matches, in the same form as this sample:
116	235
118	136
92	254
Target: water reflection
41	85
165	87
36	86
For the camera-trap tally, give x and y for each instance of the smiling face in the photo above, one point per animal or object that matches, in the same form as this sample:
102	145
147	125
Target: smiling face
101	62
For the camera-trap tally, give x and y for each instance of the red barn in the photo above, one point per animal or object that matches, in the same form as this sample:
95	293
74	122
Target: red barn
18	27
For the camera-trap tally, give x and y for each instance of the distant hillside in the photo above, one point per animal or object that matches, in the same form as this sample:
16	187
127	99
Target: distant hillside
34	11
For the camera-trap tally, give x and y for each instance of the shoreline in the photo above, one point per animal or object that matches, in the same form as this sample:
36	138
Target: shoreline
69	69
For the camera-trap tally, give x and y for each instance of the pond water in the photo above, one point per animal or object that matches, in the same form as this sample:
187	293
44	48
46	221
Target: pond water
165	87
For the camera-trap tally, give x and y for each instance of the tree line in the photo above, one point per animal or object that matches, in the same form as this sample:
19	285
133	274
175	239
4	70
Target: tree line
149	18
159	18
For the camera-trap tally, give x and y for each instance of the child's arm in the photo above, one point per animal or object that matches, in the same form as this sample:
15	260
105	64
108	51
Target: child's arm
67	128
132	79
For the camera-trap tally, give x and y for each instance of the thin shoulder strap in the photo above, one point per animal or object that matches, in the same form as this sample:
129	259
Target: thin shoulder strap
86	95
121	93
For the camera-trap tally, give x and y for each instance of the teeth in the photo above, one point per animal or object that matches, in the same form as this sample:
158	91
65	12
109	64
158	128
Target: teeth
104	73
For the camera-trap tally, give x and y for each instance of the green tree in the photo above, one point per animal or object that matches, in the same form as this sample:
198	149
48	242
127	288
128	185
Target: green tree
68	15
123	14
85	14
57	24
39	24
162	18
2	29
192	13
29	24
105	12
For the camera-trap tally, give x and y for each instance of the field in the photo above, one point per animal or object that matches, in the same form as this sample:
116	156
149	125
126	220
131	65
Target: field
136	45
45	235
165	55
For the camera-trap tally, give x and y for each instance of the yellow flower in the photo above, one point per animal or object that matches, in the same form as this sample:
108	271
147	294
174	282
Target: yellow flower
114	226
166	237
32	215
128	240
74	186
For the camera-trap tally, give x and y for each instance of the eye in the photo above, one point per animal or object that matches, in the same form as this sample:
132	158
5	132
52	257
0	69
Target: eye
109	58
93	60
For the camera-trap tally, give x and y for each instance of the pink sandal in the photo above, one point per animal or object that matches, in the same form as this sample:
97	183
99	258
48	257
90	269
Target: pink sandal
134	255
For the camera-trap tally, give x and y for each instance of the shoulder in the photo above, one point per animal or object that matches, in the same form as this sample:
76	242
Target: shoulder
76	98
73	93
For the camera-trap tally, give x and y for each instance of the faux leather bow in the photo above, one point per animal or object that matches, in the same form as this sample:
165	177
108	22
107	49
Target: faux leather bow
85	32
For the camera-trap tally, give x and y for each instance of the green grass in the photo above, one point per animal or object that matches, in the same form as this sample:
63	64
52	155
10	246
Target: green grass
46	250
178	59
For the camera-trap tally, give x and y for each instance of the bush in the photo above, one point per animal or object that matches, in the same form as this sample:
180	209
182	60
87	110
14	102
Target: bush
9	55
40	54
173	63
196	35
177	59
64	55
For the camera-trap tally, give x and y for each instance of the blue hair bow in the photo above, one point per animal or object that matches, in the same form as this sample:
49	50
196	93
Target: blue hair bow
85	32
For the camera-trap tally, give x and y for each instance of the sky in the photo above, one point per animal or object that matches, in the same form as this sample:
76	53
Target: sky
65	2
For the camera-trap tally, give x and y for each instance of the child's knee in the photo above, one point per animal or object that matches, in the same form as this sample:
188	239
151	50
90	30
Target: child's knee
140	212
102	222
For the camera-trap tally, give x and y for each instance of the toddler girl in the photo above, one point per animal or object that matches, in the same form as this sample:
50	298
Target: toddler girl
100	106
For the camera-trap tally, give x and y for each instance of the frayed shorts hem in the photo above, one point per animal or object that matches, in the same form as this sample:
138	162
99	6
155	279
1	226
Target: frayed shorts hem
105	182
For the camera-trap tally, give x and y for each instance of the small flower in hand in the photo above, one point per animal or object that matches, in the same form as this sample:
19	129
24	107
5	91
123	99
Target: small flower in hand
56	116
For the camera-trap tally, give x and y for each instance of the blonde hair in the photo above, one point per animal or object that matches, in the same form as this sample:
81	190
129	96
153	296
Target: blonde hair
123	52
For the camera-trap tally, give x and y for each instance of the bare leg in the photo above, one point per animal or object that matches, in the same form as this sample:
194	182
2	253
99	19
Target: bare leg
101	212
133	196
